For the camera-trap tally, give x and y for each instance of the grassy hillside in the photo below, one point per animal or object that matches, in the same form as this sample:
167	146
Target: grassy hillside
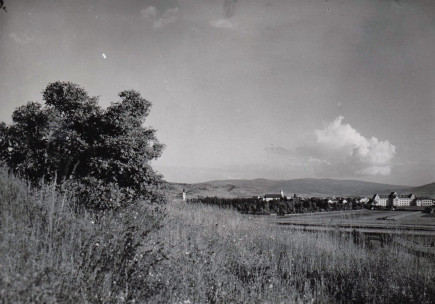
50	252
53	252
219	256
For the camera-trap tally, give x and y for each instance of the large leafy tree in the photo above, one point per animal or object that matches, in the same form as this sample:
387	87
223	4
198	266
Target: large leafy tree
103	154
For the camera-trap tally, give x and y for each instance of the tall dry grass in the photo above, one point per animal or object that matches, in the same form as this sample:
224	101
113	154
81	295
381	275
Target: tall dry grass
53	252
221	256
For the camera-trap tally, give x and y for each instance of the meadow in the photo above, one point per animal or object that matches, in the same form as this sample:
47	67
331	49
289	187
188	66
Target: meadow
52	251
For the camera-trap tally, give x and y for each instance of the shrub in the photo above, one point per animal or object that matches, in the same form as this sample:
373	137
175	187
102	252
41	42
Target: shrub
429	210
71	139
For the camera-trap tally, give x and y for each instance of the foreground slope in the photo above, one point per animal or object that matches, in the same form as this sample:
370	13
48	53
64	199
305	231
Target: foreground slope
49	253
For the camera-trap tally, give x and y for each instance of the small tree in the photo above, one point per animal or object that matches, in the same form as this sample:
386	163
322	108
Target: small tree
104	155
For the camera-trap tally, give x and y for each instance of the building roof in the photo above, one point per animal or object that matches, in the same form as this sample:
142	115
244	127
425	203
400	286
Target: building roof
272	196
404	196
394	195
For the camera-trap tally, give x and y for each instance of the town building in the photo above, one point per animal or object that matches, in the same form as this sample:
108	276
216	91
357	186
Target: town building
364	200
395	200
274	197
380	200
424	202
404	200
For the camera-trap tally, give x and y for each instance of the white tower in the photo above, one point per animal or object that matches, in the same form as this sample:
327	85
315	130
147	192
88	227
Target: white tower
282	193
184	195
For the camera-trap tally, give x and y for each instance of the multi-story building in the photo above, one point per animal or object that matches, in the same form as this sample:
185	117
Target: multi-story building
424	201
394	200
380	200
274	197
404	200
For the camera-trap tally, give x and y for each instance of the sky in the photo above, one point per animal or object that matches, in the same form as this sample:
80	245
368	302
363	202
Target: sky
245	89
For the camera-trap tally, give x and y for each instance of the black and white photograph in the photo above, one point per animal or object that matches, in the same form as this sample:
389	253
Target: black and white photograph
217	151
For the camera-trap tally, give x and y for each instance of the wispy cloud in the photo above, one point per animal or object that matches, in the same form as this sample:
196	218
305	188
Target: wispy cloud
278	150
222	23
22	38
229	8
159	19
315	160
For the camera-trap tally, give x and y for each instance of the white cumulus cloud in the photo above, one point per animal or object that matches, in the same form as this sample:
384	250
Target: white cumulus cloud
341	144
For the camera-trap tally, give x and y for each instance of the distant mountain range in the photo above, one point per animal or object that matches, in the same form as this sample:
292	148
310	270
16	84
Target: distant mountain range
302	187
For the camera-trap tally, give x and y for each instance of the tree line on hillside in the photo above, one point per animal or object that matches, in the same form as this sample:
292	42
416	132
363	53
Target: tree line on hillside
279	207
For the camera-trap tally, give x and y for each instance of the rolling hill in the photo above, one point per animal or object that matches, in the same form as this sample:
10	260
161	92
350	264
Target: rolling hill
301	187
425	190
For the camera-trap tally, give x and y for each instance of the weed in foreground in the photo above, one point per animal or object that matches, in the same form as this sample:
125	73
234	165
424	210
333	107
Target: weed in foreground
53	252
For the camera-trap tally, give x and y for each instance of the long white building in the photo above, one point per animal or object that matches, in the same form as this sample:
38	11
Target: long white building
401	200
424	201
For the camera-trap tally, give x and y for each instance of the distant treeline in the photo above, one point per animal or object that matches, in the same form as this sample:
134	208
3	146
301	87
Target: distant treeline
280	207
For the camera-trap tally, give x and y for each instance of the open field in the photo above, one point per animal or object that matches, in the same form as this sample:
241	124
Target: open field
412	230
245	259
409	221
